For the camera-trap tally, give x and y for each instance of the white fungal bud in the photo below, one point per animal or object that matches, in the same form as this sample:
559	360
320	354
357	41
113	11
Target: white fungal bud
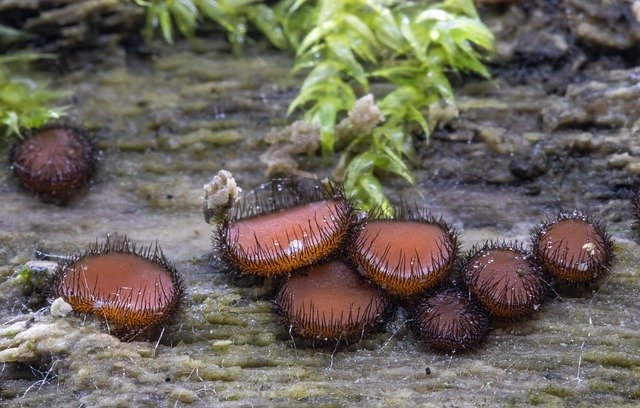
220	194
60	308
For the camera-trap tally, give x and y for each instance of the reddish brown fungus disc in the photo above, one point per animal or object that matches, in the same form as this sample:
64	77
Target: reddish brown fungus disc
330	302
504	280
450	322
405	257
133	289
53	161
276	243
573	248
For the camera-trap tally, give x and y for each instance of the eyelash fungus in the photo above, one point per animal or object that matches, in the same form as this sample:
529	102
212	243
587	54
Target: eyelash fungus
289	227
573	248
330	302
342	272
407	254
54	161
450	322
137	289
504	280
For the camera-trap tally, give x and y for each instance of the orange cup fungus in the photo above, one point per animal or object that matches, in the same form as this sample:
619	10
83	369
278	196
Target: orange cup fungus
504	280
53	161
450	322
135	289
330	303
288	228
573	248
407	254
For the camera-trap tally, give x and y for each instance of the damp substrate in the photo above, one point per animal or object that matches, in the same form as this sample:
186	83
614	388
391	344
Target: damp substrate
167	124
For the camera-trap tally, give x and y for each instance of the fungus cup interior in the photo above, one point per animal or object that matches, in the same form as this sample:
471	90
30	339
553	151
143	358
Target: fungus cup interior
405	248
330	302
53	160
123	287
449	321
287	232
574	244
504	281
277	240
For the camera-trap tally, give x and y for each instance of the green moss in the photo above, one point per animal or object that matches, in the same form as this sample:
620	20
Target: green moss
542	399
635	394
216	373
409	45
343	46
558	391
30	280
23	102
158	169
613	360
537	399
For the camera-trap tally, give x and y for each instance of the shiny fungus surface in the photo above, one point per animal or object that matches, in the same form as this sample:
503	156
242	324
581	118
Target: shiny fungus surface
330	302
405	256
573	248
285	231
132	288
504	280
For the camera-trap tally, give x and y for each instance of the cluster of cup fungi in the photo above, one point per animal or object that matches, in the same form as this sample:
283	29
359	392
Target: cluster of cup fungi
339	272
